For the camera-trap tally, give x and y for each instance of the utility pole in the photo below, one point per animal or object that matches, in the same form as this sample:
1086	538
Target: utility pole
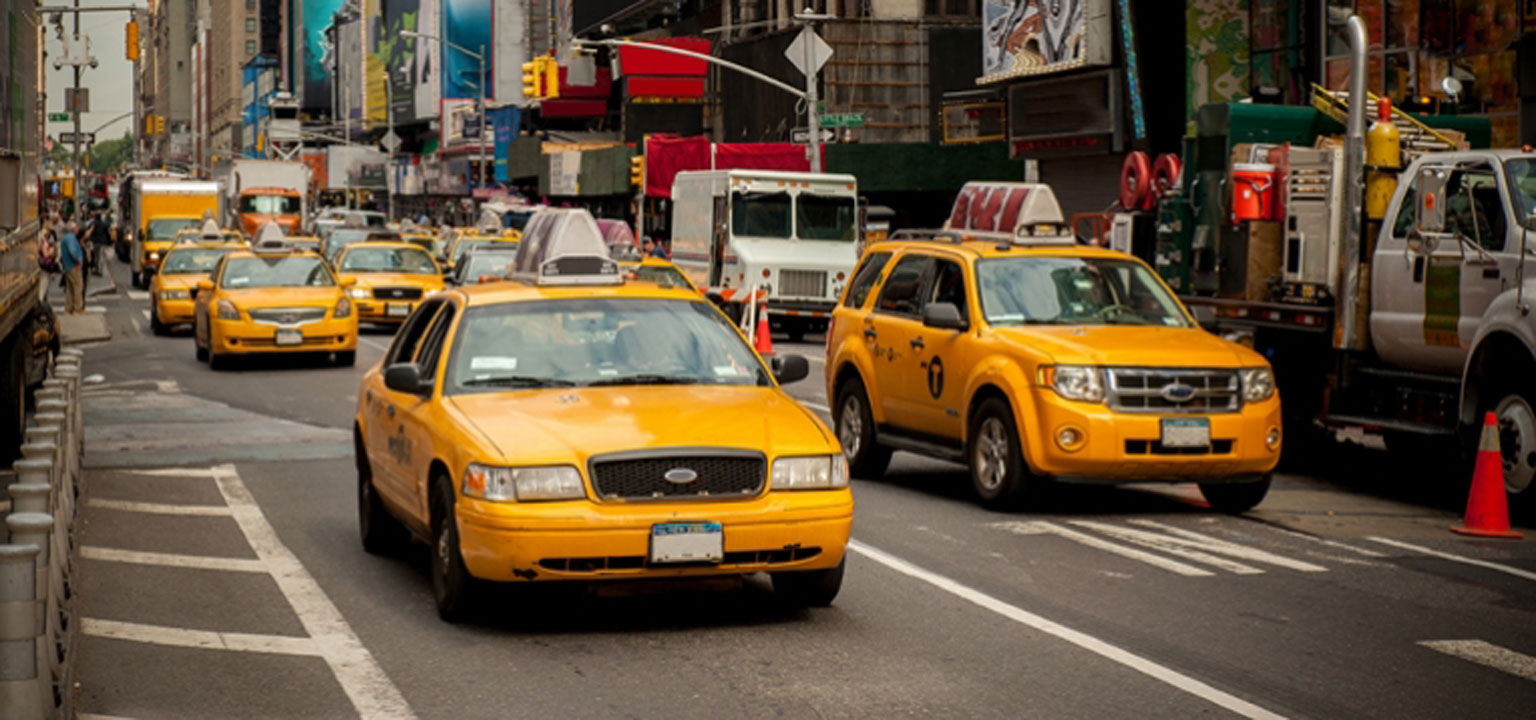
812	93
389	122
484	120
79	175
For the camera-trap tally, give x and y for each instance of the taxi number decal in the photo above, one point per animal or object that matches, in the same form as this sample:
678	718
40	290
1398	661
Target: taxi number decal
400	446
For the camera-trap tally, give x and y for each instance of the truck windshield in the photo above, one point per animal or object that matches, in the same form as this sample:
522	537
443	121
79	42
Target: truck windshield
165	230
1073	291
283	271
825	217
1522	184
759	214
273	204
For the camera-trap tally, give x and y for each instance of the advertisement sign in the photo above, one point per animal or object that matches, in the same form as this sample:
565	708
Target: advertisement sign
510	51
428	61
460	123
1060	117
466	23
397	54
1033	37
375	97
504	123
349	68
315	48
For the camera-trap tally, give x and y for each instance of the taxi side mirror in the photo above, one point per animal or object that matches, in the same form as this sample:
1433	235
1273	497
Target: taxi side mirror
944	316
204	286
347	282
789	368
406	378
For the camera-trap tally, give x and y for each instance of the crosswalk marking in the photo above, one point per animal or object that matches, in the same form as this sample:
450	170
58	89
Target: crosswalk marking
138	295
196	562
1201	551
1041	527
160	508
1517	572
1487	654
202	639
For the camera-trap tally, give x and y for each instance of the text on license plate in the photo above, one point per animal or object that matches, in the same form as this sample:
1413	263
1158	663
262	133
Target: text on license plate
1186	432
289	337
397	310
687	542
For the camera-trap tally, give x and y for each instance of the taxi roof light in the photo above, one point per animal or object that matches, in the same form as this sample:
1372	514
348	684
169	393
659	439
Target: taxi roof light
567	249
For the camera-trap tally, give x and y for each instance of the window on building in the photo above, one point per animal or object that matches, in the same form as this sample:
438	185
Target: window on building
250	4
250	24
953	8
250	48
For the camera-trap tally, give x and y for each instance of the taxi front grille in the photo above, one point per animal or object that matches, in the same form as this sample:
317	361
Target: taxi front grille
260	342
802	283
778	556
1174	391
716	475
397	293
1156	447
287	316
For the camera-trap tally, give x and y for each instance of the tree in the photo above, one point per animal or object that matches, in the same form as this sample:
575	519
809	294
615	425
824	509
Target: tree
107	157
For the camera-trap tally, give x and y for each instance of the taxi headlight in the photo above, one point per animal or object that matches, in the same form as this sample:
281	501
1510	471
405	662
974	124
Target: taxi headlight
525	484
1076	382
1258	384
358	293
154	256
818	472
228	311
343	308
175	295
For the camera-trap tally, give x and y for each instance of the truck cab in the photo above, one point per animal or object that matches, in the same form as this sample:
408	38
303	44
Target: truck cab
258	206
792	236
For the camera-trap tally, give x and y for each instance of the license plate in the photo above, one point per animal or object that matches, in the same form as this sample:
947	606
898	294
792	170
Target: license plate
397	310
289	337
687	542
1186	432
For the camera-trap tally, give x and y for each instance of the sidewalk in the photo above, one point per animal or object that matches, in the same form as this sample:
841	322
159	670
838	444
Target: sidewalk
90	326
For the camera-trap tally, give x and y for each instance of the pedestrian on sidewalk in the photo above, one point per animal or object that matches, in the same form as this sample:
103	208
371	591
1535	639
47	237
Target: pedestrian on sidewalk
97	237
72	262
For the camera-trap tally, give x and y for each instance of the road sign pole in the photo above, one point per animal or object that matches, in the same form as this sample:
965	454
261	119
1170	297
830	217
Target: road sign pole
812	120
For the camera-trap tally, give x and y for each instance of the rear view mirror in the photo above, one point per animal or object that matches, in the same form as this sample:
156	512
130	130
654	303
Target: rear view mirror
789	368
944	316
406	378
204	286
1429	200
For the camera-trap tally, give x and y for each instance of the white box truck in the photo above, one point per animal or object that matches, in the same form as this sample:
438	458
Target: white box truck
262	191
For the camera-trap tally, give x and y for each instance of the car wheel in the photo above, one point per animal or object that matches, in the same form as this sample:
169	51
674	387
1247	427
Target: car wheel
795	330
809	588
1517	447
155	326
381	533
452	586
1235	498
217	361
346	359
1001	478
867	458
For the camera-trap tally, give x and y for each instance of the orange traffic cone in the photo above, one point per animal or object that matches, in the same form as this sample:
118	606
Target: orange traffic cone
1487	507
764	340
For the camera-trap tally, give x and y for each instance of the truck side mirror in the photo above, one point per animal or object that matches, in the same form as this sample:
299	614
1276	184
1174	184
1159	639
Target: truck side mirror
1429	200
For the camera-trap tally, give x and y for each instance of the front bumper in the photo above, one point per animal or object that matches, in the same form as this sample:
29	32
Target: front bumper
378	311
1123	446
174	312
151	253
582	540
240	337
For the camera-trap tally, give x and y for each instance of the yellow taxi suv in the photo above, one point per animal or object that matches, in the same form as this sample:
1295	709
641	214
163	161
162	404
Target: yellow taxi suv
1035	360
272	299
569	426
387	279
172	288
656	270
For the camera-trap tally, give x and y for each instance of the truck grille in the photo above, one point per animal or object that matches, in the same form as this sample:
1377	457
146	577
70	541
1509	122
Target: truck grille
718	475
397	293
1174	391
802	283
287	316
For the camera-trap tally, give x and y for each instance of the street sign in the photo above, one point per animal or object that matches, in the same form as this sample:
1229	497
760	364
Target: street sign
77	99
59	117
850	120
82	138
801	135
808	46
390	142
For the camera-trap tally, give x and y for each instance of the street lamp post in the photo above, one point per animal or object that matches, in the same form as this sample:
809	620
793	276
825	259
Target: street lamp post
482	101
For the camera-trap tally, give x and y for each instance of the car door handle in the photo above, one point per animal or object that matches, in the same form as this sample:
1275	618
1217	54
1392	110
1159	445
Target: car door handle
869	333
390	410
916	343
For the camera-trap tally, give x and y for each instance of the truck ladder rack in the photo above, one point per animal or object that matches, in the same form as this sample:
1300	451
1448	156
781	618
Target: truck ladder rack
1416	136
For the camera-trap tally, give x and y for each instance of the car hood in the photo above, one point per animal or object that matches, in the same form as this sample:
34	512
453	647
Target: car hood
369	280
559	426
179	281
1131	346
809	254
284	297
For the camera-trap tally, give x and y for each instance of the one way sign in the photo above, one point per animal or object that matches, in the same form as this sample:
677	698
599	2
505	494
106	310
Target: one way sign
803	135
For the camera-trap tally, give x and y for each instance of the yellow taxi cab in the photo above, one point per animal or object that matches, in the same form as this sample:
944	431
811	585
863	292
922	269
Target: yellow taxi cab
303	242
189	235
656	270
1036	360
469	240
567	425
160	234
388	279
171	289
426	241
273	299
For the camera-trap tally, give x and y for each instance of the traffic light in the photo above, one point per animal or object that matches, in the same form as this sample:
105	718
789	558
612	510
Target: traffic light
531	79
159	124
551	78
132	43
149	124
637	170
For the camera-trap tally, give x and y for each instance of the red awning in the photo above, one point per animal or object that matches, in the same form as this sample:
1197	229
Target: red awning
666	156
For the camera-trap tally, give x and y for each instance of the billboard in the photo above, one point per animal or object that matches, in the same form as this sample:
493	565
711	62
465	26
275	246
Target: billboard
466	23
427	61
397	55
317	58
1033	37
375	93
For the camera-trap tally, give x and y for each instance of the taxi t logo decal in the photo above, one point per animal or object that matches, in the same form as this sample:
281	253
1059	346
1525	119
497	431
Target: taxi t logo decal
936	377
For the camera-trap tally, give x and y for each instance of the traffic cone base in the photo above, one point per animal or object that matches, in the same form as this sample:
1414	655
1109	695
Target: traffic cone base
1487	506
763	338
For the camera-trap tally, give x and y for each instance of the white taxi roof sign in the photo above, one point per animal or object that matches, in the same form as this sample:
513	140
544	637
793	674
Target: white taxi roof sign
1015	212
564	247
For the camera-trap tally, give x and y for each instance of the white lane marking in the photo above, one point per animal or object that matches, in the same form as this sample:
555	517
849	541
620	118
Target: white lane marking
1488	654
1083	640
372	693
1170	545
201	639
138	295
1040	527
159	508
146	314
1329	543
98	716
818	359
1517	572
1225	547
175	472
196	562
373	343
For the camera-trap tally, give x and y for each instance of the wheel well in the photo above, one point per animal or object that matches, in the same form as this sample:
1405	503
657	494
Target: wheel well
1501	355
983	394
845	373
438	469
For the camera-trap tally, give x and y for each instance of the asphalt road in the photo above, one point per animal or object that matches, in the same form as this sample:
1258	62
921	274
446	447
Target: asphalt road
221	576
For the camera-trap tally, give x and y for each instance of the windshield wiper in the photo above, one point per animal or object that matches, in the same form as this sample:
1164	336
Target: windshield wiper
645	379
518	381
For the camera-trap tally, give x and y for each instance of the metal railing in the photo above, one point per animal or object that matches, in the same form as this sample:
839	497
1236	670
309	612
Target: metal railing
38	624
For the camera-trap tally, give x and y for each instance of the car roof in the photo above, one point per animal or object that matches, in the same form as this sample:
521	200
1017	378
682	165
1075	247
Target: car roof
384	244
992	249
517	291
290	252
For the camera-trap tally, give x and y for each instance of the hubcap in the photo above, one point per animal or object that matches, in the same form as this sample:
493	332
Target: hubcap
850	430
991	454
442	550
1517	443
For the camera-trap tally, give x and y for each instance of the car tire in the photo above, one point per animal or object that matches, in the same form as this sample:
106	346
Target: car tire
795	329
381	533
201	352
867	458
346	359
452	586
808	588
217	361
1000	477
1235	498
155	326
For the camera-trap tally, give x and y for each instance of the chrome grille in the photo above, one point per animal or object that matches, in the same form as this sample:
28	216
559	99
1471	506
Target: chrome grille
287	316
397	293
802	283
718	475
1159	390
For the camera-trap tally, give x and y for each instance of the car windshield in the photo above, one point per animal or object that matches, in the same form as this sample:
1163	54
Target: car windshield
760	214
487	263
1522	182
387	259
825	217
597	342
275	204
464	246
279	271
1073	291
165	230
181	262
660	274
342	237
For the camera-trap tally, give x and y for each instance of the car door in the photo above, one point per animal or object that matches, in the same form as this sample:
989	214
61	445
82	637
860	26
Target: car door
893	331
384	423
934	377
420	417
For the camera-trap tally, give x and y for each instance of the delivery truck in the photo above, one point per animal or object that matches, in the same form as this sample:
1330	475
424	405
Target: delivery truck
261	191
161	208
